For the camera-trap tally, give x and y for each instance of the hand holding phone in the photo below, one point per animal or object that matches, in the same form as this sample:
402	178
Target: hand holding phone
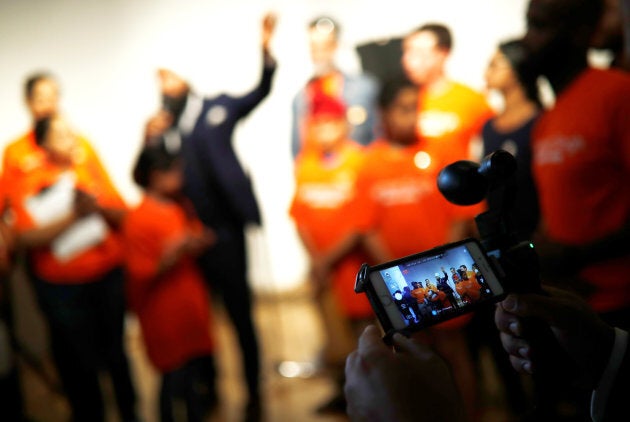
430	287
383	385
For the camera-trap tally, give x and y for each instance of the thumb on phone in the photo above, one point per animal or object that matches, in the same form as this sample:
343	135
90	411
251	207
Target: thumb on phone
406	345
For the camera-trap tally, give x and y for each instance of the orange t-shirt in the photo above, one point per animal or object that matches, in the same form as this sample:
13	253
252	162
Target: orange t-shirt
440	296
321	208
448	122
173	309
20	157
581	166
419	294
401	202
470	288
28	174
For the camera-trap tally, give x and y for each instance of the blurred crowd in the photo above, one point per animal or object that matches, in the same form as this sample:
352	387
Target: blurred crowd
367	151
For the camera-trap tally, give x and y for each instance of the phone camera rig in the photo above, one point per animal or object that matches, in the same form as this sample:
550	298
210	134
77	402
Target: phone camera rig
467	183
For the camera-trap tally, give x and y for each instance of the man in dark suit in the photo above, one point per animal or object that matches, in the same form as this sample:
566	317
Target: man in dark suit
201	130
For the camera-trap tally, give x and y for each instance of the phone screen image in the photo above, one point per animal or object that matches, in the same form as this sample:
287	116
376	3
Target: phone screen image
428	288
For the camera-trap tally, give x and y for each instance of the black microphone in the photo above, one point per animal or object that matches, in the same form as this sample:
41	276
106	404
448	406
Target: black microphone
466	182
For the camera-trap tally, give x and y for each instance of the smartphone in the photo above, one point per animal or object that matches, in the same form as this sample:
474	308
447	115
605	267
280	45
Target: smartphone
430	287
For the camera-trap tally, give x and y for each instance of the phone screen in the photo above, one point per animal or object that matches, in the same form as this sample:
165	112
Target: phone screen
434	286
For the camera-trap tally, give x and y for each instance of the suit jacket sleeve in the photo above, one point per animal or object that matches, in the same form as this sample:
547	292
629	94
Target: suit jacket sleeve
609	400
249	101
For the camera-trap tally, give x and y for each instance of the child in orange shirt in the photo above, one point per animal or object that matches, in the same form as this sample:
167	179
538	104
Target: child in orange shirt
325	176
165	288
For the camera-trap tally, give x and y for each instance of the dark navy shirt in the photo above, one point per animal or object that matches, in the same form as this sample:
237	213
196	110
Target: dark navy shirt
524	215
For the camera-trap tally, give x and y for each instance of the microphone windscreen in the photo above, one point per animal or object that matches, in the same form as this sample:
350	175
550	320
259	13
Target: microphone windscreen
462	184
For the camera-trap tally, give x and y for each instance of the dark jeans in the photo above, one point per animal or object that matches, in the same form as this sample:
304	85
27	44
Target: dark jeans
225	268
194	384
86	323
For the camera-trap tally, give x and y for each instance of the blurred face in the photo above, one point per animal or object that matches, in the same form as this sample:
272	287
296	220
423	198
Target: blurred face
401	116
553	35
323	45
328	131
44	99
499	73
423	60
542	28
60	142
168	182
171	84
610	31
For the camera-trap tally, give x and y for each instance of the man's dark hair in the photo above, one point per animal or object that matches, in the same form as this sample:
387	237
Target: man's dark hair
42	126
326	21
152	157
585	12
31	81
390	90
441	32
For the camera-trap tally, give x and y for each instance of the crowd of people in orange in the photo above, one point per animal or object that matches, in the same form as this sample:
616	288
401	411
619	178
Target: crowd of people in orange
439	295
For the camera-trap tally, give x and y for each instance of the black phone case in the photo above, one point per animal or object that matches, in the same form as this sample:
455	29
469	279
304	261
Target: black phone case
364	285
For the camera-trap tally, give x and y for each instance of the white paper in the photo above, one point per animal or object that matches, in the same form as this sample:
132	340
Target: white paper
54	203
82	235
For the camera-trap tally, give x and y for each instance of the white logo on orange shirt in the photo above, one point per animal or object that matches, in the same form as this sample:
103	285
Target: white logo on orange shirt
557	150
399	192
325	195
435	123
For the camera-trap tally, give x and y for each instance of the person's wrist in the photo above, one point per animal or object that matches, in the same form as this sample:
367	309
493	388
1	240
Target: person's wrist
268	59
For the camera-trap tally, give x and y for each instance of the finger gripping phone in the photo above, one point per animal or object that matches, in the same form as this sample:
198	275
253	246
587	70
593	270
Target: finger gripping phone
430	287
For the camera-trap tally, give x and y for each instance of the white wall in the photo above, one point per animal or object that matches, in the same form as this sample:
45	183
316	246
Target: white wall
105	54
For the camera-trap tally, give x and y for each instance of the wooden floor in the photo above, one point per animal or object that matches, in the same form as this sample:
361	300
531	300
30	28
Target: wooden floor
290	333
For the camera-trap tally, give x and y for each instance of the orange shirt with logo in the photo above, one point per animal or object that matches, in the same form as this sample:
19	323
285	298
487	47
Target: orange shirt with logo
28	173
581	166
448	121
400	202
322	209
449	125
